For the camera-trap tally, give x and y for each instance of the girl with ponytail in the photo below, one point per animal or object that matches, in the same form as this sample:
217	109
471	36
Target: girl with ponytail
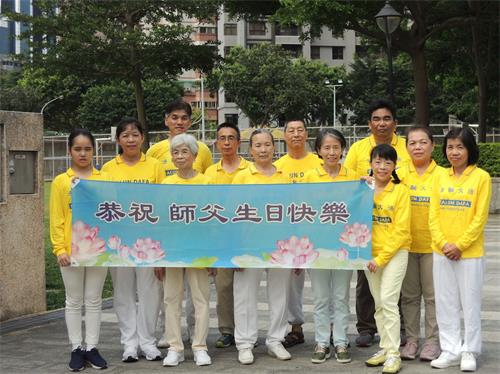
390	244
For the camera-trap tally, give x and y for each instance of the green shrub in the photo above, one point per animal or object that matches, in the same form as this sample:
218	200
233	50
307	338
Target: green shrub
489	158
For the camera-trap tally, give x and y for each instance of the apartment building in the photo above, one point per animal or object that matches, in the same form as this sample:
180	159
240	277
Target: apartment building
334	50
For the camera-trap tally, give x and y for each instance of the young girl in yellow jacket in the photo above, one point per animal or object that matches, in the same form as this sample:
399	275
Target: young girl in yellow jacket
83	285
137	323
390	245
459	211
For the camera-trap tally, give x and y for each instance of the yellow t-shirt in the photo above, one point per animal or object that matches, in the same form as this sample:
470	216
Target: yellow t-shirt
358	157
218	175
147	170
161	151
197	179
459	210
252	176
319	175
391	223
60	210
420	189
296	169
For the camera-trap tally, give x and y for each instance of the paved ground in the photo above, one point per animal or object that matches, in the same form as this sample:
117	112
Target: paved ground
40	344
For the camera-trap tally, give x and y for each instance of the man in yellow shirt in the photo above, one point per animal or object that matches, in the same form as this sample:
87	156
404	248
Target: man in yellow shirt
295	164
178	121
382	125
223	172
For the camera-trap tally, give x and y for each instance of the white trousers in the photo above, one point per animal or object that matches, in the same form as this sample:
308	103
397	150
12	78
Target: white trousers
295	296
83	286
246	286
457	286
137	322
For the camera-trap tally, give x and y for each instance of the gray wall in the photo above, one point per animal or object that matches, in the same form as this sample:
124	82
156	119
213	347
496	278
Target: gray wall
22	256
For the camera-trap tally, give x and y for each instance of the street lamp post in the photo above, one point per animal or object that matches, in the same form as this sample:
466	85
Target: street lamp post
388	20
48	102
333	87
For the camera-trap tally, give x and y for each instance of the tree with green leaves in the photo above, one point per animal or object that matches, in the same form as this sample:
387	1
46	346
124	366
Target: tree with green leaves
103	106
118	40
270	86
422	20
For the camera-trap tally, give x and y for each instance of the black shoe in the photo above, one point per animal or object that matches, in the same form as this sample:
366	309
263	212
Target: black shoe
77	362
403	339
364	340
94	358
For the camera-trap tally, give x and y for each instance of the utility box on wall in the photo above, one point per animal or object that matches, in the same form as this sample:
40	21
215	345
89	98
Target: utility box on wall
22	172
22	253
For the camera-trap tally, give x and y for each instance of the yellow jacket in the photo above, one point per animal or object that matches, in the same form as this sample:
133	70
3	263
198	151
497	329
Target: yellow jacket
197	179
218	175
459	210
252	176
147	170
358	157
319	175
60	210
294	169
161	151
391	223
420	188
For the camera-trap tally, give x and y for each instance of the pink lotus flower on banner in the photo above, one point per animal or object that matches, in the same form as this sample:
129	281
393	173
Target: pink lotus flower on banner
294	252
356	235
114	242
342	254
147	251
86	246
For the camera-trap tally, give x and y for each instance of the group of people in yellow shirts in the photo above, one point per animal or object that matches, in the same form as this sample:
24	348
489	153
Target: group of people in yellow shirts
427	243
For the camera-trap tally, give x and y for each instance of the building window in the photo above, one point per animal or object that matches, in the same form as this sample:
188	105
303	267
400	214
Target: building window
294	49
208	104
315	53
257	28
290	30
231	118
207	30
227	50
337	53
228	98
230	29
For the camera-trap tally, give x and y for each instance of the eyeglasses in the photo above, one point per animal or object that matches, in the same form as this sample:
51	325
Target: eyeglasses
229	138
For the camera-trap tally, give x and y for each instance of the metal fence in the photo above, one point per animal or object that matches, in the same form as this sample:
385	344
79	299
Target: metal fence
57	160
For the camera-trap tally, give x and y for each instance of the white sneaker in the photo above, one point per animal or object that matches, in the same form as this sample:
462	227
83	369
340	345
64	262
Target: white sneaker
173	358
278	351
202	358
468	362
245	356
445	360
163	343
130	354
151	353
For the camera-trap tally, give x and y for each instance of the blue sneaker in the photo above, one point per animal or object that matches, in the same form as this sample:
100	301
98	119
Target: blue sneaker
77	362
224	341
94	358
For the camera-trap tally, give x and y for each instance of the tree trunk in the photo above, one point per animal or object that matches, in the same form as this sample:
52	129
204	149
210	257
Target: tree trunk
421	87
141	112
481	65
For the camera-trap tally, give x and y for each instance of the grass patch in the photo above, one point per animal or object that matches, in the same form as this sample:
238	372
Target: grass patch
53	280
